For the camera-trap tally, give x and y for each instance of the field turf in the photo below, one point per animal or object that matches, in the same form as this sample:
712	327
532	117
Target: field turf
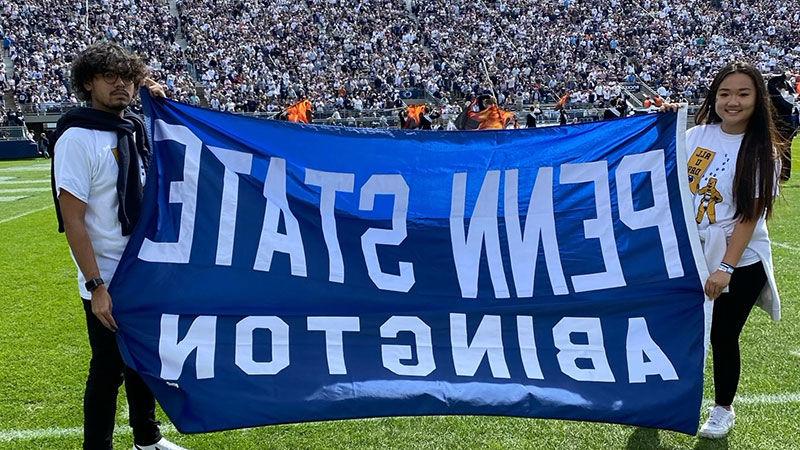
44	355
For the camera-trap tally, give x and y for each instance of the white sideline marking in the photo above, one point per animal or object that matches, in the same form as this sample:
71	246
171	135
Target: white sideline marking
768	399
25	214
12	198
35	168
23	190
42	433
795	354
761	399
786	246
27	435
49	433
11	180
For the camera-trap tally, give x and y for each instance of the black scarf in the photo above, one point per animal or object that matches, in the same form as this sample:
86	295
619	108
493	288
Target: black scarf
129	152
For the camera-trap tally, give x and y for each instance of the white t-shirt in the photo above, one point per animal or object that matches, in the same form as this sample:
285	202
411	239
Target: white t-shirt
712	167
85	166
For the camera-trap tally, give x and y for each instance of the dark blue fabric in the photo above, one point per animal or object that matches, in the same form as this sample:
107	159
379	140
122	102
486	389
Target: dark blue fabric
18	150
304	391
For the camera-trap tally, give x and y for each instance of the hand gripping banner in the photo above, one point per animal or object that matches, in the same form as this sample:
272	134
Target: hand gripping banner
288	273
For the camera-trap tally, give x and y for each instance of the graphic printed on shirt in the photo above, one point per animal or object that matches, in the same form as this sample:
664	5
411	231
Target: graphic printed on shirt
710	196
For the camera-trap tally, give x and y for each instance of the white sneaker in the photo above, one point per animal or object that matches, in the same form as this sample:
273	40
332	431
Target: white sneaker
163	444
719	423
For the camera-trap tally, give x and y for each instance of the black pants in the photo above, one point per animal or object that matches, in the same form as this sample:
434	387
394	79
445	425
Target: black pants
730	314
106	374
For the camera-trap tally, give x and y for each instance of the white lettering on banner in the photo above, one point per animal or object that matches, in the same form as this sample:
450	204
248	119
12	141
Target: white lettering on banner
659	215
569	352
487	341
330	183
395	186
334	344
639	344
172	352
601	227
468	242
468	246
271	241
393	355
539	221
527	348
644	356
181	192
279	339
234	163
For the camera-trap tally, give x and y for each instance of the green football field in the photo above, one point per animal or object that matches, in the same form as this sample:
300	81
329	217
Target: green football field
44	355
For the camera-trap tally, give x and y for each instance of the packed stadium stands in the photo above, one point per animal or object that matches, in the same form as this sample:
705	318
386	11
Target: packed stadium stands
359	55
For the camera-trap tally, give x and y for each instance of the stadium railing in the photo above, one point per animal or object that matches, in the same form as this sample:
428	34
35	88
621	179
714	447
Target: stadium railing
39	109
14	134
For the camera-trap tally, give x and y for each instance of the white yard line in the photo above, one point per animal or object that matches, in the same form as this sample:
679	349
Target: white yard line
768	399
53	432
786	246
2	221
44	433
14	181
23	190
29	435
762	399
35	168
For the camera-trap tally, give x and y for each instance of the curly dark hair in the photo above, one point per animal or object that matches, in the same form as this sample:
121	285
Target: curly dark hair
105	57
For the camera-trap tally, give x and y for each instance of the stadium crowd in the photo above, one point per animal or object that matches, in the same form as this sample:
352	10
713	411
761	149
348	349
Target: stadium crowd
258	53
44	34
364	54
586	48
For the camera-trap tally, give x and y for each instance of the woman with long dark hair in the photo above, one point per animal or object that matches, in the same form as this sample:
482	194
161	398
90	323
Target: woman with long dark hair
733	176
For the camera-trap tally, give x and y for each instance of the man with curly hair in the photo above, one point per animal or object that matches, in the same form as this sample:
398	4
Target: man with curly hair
100	155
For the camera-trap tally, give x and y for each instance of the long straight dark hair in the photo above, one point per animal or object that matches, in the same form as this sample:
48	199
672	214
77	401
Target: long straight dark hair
755	165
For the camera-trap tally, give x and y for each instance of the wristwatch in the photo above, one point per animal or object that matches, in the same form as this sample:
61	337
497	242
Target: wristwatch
94	283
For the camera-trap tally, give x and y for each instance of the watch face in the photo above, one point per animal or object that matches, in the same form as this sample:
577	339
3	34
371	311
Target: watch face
92	284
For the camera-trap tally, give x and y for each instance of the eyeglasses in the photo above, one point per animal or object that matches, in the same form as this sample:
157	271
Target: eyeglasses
112	78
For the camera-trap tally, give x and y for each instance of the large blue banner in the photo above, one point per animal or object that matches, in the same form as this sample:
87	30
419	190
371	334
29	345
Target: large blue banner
287	273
